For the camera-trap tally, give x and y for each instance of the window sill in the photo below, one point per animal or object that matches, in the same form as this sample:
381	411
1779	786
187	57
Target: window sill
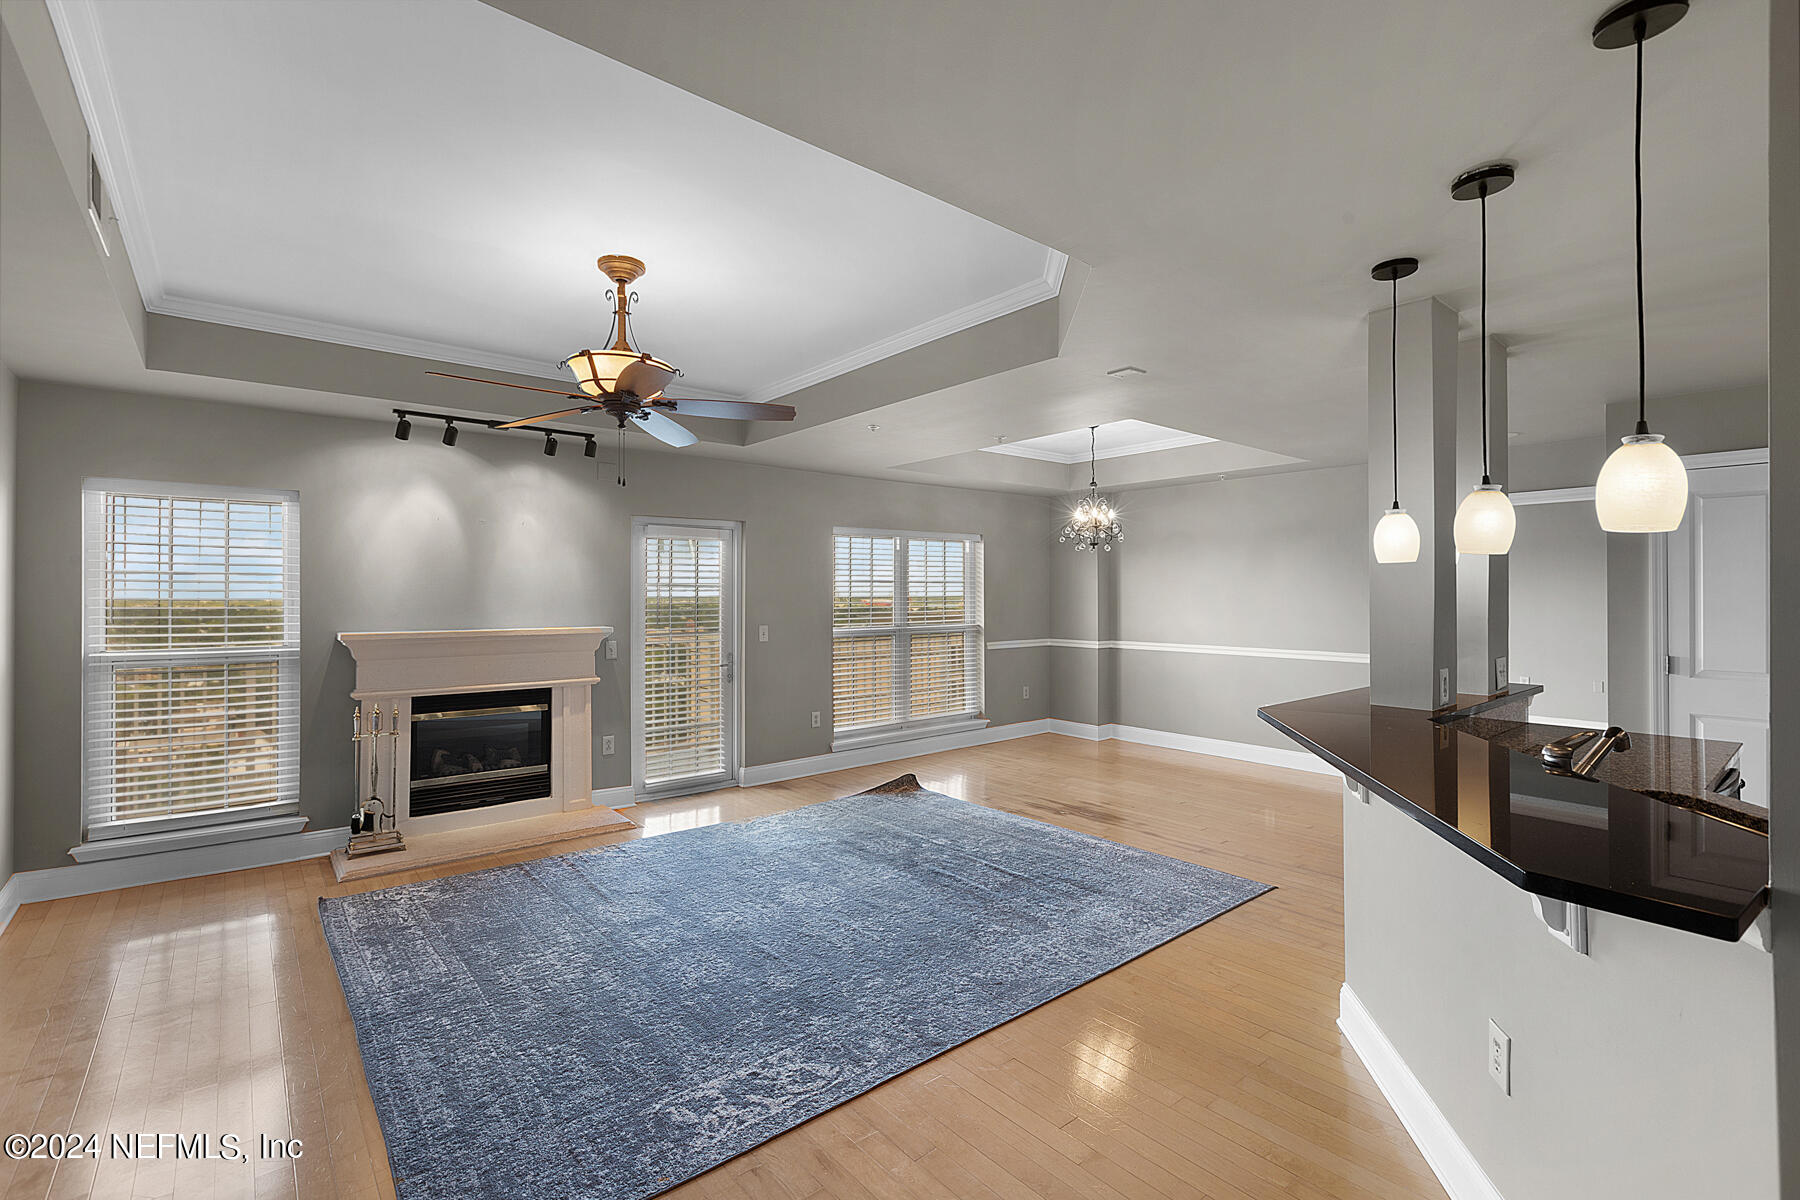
102	849
885	737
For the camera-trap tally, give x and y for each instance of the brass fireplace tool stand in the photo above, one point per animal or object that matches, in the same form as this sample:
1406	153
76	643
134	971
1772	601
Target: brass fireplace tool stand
374	827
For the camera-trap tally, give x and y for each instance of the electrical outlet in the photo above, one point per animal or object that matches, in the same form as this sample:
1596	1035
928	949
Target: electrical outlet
1025	692
815	720
1443	685
1499	1056
762	633
612	648
606	744
1500	680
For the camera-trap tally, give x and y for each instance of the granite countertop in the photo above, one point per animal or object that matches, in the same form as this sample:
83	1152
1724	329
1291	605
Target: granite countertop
1676	770
1585	841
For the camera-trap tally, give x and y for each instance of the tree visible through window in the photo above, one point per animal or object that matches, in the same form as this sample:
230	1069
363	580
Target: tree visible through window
191	638
906	630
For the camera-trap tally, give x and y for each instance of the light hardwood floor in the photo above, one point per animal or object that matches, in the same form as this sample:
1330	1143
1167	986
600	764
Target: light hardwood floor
1209	1067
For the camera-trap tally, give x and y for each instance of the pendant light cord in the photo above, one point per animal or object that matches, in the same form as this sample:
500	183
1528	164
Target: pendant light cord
1093	460
1637	183
1485	480
1394	382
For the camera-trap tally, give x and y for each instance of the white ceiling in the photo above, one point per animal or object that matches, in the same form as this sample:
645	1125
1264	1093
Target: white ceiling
1112	439
1222	174
438	180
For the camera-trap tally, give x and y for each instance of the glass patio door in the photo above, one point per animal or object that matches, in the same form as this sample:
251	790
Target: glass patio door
685	647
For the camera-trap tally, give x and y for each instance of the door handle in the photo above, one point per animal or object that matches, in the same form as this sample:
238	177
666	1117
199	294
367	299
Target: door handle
731	668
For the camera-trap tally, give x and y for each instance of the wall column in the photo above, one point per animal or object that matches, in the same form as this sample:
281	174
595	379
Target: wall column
1481	579
1412	606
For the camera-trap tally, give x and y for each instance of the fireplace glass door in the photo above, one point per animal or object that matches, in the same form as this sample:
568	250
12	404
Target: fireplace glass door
478	749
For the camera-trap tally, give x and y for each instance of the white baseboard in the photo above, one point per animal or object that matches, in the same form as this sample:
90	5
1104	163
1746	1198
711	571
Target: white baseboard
1271	756
614	797
863	756
1445	1153
81	879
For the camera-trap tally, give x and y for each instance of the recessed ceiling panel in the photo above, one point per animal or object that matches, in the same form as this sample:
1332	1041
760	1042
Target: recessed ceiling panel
1113	439
439	178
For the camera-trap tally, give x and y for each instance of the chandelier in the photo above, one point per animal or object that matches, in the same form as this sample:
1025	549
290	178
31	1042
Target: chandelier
1094	525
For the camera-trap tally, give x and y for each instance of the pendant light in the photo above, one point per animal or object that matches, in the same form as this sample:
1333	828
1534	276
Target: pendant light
1485	521
1094	525
1643	487
1396	534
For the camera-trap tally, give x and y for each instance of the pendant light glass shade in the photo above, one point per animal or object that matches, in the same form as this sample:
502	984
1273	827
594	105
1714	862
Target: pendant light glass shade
1396	537
1643	488
1485	521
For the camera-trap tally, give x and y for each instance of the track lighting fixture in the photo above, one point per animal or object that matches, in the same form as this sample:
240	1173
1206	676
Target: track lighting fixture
1485	521
550	445
1643	488
592	449
403	428
449	433
1396	534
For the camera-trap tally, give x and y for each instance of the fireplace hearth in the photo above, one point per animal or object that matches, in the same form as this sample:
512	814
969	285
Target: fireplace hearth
476	749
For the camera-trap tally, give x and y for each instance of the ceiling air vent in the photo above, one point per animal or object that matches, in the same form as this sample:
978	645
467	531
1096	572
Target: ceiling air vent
1125	372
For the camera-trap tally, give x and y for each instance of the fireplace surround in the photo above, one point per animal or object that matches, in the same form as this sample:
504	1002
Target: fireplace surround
495	724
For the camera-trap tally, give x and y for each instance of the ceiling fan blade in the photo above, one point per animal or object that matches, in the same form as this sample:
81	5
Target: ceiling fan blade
523	387
555	416
665	430
726	410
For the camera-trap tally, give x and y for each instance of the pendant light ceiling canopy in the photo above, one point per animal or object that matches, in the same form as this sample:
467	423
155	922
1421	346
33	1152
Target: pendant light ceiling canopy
1396	534
1094	525
1485	521
1643	487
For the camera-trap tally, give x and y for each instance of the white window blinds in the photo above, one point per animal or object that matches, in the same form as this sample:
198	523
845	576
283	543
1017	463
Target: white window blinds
685	661
906	629
190	646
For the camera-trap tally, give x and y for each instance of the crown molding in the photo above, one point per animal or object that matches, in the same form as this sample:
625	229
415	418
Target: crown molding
1047	285
84	54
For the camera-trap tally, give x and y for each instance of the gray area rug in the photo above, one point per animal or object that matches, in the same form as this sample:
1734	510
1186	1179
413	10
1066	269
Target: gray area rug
610	1023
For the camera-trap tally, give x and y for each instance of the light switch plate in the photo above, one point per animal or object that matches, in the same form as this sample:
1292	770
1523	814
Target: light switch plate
612	648
1499	1056
1025	692
1500	680
762	633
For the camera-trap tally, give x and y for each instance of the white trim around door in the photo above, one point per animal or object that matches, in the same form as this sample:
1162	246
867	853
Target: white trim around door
726	672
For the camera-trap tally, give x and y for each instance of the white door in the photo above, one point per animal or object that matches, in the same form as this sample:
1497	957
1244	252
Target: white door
1718	607
685	644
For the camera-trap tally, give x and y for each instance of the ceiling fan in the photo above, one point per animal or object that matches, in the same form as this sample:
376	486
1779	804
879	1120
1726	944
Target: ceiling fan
626	383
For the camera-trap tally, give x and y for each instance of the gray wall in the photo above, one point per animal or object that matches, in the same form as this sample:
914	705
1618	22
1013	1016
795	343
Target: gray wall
417	535
8	462
1784	575
1640	1072
1558	592
1272	561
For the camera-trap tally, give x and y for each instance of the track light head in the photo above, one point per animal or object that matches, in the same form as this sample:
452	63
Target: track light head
592	450
550	445
403	428
449	433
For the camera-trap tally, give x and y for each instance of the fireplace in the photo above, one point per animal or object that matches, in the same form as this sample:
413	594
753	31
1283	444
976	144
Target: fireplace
476	749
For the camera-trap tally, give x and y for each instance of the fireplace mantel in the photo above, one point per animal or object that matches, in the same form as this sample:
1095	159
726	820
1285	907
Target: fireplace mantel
394	666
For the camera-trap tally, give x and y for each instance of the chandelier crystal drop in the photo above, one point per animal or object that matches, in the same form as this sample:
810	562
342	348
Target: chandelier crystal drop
1094	525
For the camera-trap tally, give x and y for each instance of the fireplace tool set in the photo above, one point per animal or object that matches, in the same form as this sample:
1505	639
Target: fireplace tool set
373	825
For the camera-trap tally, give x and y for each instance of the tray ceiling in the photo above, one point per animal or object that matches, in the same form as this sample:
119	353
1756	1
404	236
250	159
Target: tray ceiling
441	188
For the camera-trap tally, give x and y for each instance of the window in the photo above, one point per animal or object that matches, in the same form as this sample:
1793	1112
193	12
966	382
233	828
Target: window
906	631
190	655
